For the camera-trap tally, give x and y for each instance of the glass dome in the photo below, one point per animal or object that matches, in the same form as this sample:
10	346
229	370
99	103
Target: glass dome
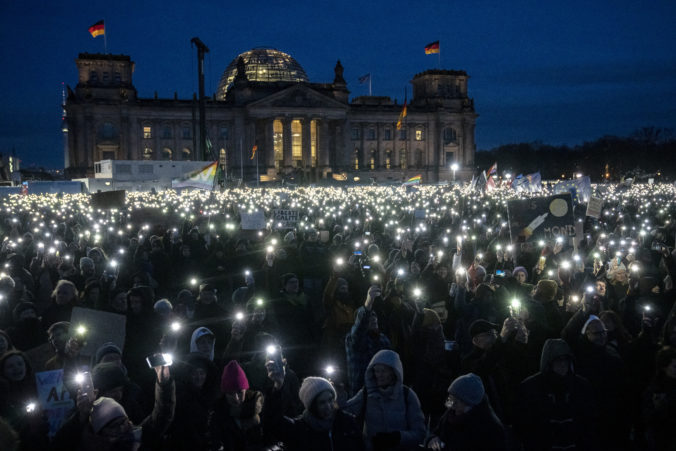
263	64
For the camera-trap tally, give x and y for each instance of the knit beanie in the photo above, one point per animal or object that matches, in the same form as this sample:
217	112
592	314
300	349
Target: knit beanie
107	376
468	388
519	269
233	378
547	289
311	388
430	318
104	349
105	410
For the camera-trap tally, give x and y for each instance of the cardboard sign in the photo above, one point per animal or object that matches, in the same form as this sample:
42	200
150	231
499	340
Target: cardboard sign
102	327
594	207
541	218
253	221
53	398
285	219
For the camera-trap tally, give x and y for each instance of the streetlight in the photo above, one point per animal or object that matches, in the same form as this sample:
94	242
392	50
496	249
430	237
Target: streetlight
454	167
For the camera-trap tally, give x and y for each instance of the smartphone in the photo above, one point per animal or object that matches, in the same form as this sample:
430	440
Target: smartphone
87	385
357	253
499	272
159	359
366	267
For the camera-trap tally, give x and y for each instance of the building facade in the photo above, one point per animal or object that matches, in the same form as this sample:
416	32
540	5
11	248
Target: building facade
265	102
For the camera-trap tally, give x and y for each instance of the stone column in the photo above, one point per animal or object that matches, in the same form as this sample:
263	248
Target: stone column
288	155
323	145
269	147
433	148
305	143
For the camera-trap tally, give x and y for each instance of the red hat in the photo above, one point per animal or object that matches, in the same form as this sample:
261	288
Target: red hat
233	378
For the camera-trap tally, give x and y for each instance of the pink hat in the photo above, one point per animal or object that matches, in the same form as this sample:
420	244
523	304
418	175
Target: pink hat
233	378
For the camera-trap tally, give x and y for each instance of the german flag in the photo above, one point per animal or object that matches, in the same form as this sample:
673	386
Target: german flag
402	115
432	47
97	29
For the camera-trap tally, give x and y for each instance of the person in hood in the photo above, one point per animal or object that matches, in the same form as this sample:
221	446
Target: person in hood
203	341
556	408
322	426
390	411
469	422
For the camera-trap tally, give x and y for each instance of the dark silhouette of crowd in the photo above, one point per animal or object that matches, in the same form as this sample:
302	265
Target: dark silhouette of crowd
383	319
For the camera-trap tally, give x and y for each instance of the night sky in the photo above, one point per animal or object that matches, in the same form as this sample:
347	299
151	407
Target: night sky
557	72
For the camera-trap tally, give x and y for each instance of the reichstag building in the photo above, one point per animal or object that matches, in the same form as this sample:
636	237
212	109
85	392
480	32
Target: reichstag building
265	101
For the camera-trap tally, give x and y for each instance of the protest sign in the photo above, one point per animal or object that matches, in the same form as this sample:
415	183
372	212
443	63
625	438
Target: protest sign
108	200
102	327
285	219
53	398
594	207
541	218
253	221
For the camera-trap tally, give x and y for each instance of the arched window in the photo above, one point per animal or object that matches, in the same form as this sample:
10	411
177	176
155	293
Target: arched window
166	153
186	154
403	163
147	153
420	154
450	136
356	159
296	141
388	159
374	159
222	157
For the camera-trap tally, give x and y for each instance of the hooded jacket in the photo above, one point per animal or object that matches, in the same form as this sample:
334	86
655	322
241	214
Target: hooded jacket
198	333
388	411
554	412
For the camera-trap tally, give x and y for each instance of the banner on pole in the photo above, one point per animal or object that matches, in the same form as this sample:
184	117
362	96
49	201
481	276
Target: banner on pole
541	218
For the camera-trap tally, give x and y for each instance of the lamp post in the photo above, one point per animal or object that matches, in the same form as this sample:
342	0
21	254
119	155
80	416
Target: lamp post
454	167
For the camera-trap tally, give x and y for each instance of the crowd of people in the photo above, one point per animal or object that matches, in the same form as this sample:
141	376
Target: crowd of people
380	318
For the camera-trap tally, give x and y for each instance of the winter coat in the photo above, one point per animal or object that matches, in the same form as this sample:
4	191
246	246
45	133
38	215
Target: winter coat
360	347
659	414
241	430
389	411
301	435
554	412
479	429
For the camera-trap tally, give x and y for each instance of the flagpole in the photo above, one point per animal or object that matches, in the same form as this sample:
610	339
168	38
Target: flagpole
241	161
439	56
105	41
258	177
370	77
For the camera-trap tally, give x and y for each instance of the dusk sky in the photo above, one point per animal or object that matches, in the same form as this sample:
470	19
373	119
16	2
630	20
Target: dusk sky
557	72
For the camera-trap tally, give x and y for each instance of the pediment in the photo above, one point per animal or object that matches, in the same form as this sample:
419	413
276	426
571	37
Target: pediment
299	96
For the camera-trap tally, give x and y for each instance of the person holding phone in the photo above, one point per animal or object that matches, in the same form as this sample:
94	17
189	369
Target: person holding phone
103	424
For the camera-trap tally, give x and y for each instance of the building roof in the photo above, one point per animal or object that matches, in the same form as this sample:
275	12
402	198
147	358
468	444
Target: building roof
263	65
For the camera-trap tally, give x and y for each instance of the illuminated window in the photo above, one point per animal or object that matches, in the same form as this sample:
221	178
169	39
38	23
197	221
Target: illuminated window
147	153
166	153
278	141
356	159
450	136
388	159
387	134
313	143
419	135
296	141
372	162
147	132
221	157
186	154
402	159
